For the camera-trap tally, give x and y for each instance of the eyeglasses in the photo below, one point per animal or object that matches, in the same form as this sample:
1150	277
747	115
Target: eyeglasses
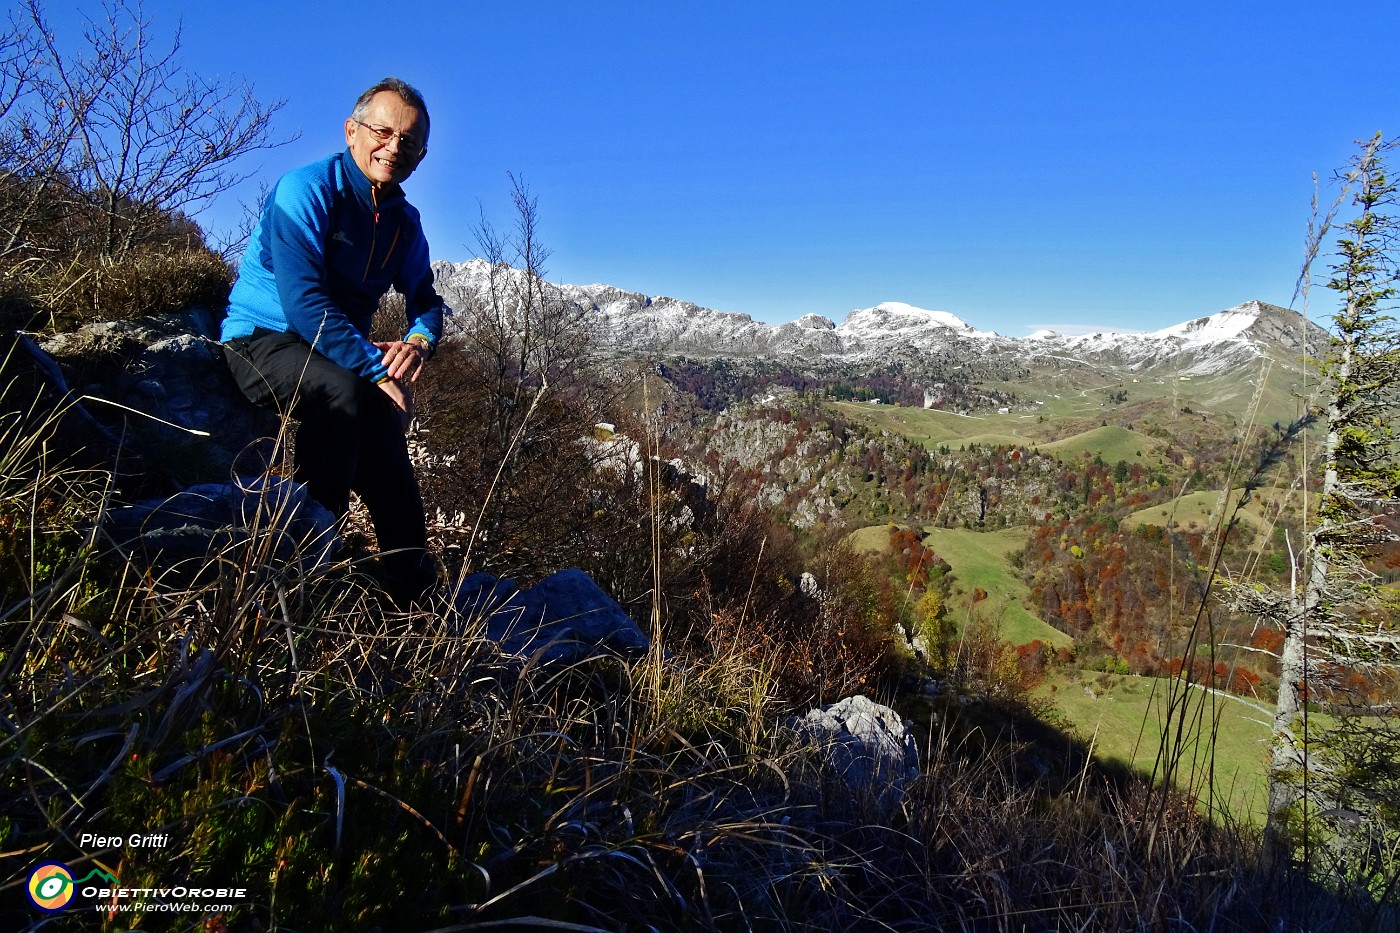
408	145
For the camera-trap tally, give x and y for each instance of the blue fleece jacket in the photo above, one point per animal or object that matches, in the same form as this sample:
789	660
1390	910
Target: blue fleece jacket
327	246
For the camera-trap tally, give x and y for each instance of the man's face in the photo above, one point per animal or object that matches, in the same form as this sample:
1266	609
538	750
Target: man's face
390	160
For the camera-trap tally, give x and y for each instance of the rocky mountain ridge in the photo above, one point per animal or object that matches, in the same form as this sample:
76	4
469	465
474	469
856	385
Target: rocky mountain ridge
633	322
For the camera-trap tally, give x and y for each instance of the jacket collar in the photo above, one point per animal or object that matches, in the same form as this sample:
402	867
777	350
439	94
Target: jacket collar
389	195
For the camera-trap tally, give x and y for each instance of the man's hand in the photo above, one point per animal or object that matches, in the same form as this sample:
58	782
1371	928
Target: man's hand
402	397
405	360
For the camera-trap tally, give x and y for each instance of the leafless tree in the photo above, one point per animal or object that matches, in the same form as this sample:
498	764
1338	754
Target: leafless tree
534	339
103	148
512	398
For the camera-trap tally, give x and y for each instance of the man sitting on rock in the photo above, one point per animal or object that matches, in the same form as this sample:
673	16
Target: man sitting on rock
333	237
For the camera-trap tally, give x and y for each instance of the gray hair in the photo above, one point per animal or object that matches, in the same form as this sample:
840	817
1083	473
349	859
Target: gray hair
406	92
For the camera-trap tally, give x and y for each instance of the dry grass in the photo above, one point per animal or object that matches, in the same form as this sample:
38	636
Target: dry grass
358	768
54	294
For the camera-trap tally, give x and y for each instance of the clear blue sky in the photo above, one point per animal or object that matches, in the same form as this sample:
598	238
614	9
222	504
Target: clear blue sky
1019	164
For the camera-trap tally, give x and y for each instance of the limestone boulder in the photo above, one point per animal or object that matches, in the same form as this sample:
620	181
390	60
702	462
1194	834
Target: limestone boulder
865	747
163	382
210	518
563	618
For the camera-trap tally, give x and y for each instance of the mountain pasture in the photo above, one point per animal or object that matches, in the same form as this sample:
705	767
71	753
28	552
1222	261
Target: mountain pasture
1197	511
981	560
933	429
1111	442
1123	718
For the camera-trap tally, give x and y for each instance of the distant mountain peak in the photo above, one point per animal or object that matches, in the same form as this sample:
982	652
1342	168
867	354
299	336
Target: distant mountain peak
1223	325
898	315
633	322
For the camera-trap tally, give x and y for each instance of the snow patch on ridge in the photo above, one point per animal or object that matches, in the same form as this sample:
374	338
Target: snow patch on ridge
1230	324
631	321
896	315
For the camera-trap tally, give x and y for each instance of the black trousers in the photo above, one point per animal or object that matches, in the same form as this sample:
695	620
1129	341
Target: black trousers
349	438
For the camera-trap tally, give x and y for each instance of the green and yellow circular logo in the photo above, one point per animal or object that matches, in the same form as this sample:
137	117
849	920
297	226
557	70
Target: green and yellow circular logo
50	886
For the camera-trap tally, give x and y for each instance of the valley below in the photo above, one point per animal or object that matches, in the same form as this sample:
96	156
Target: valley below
1087	502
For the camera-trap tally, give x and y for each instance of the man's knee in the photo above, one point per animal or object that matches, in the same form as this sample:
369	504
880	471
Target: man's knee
312	387
330	390
283	370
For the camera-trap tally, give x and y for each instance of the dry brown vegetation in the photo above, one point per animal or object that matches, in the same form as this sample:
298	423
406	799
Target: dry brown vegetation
360	768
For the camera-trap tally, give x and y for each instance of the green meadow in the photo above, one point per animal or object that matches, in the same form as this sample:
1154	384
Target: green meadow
1199	510
933	428
1123	718
982	560
1112	443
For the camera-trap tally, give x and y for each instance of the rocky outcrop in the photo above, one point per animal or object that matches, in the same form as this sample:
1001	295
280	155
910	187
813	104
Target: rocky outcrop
865	748
163	381
562	619
212	518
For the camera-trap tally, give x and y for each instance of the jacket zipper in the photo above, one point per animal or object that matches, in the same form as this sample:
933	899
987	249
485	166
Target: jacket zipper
374	233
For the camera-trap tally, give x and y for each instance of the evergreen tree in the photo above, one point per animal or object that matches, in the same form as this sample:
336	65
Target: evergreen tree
1332	618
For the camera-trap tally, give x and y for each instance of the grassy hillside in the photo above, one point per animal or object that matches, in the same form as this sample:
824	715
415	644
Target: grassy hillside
931	427
1069	409
1227	395
874	539
1194	510
1123	717
1112	443
1198	509
980	560
935	429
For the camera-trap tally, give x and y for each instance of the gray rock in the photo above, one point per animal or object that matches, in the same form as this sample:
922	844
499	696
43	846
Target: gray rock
865	746
172	369
481	594
564	618
210	517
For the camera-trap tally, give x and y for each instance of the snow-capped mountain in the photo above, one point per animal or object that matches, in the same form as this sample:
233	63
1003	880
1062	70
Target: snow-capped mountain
1206	345
630	321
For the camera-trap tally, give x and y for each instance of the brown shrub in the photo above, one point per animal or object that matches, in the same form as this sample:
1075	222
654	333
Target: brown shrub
64	294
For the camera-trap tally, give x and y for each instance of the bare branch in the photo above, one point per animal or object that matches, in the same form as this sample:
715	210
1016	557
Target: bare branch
118	130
